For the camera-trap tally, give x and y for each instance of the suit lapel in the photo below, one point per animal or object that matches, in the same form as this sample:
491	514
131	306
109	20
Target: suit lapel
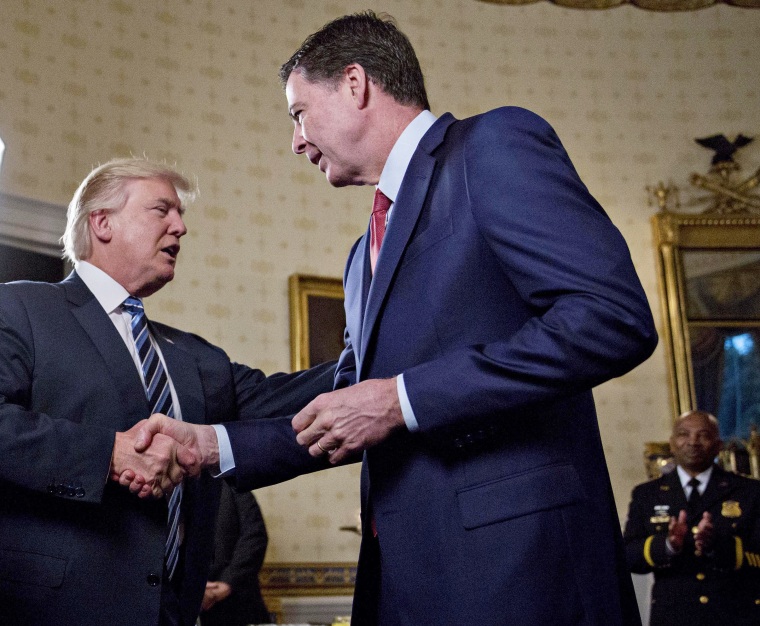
405	213
187	382
356	292
119	364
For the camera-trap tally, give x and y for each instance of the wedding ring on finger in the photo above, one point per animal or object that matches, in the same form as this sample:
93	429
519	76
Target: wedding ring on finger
325	450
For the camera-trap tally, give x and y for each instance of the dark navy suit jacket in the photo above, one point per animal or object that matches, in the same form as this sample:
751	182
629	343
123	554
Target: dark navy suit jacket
503	293
75	547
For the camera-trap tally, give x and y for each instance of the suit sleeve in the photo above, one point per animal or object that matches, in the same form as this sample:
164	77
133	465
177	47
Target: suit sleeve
262	397
569	264
55	455
645	551
251	546
740	549
263	442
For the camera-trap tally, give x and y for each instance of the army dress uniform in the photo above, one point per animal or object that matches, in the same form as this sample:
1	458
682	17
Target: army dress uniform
721	586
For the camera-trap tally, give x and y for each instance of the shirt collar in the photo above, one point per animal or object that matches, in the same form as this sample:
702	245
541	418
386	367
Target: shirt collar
703	478
402	152
106	290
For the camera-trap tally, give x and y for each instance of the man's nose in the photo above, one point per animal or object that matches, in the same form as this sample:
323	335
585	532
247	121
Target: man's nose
299	143
178	227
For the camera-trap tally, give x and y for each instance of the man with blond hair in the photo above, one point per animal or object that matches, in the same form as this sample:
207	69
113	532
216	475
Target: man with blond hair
81	367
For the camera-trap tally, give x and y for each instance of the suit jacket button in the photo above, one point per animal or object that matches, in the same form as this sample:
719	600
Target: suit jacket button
80	492
154	580
61	489
704	599
51	488
458	443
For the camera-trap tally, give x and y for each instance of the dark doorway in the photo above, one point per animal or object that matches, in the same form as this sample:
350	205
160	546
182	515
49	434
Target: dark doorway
18	264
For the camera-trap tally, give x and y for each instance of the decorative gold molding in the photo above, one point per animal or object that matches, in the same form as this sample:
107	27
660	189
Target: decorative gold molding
304	289
648	5
674	234
308	579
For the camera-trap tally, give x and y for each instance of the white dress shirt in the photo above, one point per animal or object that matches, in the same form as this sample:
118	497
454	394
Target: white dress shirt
111	295
390	184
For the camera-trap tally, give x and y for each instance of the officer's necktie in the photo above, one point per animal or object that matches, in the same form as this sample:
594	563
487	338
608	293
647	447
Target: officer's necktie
160	401
695	499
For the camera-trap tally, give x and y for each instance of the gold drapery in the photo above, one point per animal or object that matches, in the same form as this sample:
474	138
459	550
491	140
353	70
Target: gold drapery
649	5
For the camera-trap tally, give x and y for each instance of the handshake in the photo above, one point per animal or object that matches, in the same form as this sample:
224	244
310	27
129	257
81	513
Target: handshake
157	454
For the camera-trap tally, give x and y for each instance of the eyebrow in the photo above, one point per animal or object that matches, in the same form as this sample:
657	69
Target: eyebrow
168	202
295	105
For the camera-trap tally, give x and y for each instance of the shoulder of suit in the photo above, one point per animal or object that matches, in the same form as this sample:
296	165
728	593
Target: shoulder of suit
657	484
31	286
507	116
736	480
25	290
186	339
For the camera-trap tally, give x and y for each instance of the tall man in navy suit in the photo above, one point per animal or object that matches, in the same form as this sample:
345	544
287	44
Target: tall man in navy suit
500	295
76	547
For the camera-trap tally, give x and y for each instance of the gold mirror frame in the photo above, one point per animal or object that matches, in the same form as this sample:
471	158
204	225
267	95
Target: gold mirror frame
317	319
676	234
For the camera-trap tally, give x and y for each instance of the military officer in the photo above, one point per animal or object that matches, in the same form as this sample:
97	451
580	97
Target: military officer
698	529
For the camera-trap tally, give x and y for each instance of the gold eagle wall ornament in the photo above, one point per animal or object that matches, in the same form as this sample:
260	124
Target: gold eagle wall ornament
728	196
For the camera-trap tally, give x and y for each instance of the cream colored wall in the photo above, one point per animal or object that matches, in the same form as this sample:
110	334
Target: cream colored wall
194	82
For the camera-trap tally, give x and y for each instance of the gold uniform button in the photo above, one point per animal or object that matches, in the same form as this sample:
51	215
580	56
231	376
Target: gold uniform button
704	599
694	530
757	601
700	576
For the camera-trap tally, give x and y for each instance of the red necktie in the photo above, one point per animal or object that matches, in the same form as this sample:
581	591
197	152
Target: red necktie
377	226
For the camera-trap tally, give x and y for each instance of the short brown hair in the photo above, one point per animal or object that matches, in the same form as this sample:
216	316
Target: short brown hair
372	41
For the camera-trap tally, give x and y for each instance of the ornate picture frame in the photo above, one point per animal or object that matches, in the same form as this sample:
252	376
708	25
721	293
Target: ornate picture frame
317	320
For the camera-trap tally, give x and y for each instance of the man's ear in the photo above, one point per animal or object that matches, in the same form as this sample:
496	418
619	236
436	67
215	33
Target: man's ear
358	82
100	225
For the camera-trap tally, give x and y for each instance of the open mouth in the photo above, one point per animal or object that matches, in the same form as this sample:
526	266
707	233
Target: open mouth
172	251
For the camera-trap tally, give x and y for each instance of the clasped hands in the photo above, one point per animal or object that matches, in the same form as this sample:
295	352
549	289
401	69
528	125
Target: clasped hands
158	453
151	468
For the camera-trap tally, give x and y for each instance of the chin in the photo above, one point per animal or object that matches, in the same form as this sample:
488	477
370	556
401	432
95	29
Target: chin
152	287
336	180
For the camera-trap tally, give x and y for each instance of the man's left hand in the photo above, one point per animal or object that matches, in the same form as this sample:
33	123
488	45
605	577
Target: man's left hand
216	590
347	421
703	538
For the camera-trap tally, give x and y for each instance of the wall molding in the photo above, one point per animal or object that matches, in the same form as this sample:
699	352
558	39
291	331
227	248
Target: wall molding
300	592
31	224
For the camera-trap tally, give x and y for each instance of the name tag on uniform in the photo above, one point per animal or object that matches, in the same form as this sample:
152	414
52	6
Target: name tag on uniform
661	514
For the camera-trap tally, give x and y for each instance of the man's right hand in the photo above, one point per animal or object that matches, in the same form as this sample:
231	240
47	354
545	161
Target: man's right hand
160	466
677	530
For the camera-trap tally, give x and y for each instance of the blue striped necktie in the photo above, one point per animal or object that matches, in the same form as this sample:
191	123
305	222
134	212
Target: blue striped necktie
160	401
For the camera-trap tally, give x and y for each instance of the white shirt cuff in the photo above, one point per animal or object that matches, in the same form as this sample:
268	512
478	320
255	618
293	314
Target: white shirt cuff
406	406
226	459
